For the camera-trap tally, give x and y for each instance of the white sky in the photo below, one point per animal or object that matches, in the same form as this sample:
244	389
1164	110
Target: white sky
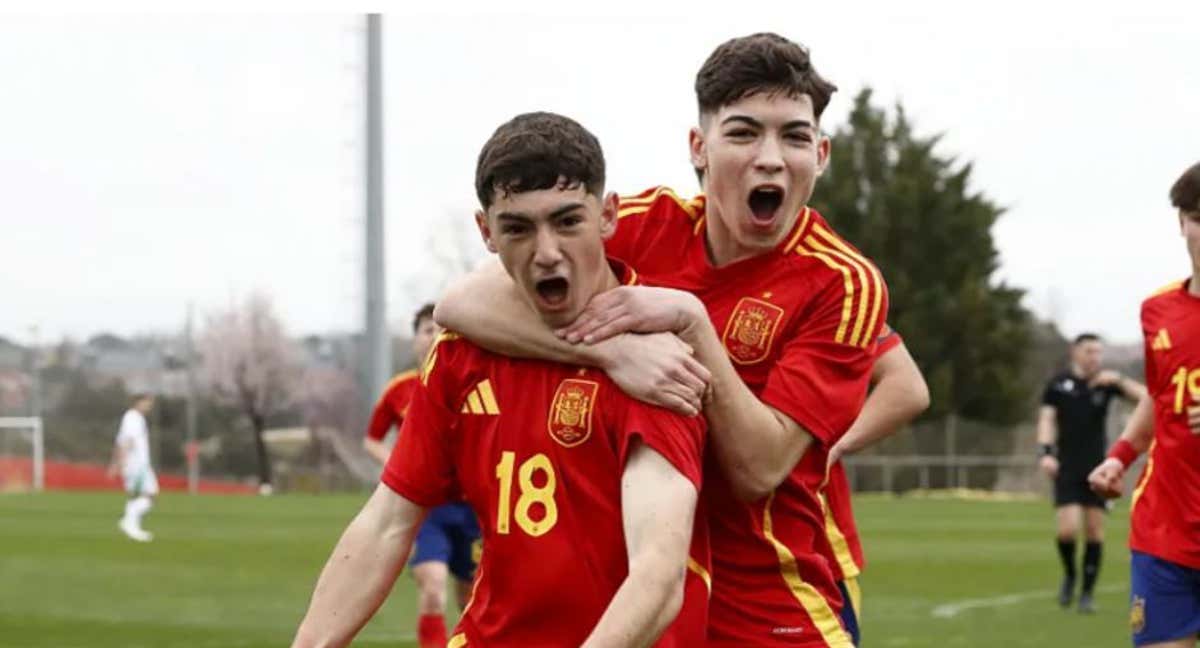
146	162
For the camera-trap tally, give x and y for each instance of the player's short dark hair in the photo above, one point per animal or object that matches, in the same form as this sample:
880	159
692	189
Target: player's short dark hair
538	150
1085	337
1185	193
763	62
423	313
138	397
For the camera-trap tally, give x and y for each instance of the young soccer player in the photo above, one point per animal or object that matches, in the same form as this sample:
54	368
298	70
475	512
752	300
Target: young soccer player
586	497
797	312
449	538
131	459
1165	526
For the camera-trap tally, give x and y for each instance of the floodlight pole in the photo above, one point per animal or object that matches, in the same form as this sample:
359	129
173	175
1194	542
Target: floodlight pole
376	343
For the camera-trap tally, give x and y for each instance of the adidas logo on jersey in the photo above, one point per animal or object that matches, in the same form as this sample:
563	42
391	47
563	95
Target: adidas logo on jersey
481	400
1162	341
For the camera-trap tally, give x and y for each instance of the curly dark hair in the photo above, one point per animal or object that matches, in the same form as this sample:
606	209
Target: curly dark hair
538	150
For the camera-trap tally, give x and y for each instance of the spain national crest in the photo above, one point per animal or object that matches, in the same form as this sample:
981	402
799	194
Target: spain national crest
750	330
1137	615
570	419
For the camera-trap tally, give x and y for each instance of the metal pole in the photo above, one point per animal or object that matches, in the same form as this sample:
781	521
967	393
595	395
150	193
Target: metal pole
39	456
35	373
193	461
377	346
951	441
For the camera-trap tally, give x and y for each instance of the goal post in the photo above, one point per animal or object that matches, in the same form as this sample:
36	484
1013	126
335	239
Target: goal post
28	429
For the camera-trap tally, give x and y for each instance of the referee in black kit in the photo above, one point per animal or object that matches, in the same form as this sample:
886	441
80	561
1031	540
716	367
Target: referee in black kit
1070	432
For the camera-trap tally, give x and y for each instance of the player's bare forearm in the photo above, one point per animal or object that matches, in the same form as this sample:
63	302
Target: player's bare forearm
900	395
658	506
487	308
360	571
757	445
1139	429
658	369
376	449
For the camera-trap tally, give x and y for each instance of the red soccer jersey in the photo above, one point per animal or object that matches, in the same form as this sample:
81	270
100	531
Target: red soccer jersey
800	324
392	405
844	548
1166	501
537	449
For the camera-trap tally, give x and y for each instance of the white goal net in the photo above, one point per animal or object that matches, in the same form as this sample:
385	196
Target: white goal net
22	454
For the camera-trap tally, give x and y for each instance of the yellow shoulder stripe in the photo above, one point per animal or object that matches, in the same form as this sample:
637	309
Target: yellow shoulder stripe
401	377
397	379
457	641
641	203
431	357
862	284
1174	285
791	244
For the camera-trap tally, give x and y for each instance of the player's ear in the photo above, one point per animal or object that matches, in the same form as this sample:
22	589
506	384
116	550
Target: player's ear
824	150
485	230
608	215
697	149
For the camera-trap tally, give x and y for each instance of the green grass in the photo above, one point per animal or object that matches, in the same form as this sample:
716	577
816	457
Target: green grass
238	571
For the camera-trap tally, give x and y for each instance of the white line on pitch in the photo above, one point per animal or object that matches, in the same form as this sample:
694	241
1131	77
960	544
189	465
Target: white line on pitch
950	610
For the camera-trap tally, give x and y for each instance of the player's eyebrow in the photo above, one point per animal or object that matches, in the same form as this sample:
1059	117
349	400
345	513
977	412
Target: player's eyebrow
513	216
750	121
565	209
523	217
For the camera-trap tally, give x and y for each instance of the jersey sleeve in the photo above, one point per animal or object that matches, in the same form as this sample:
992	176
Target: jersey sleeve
1050	394
888	339
679	439
820	382
128	429
1151	368
421	466
623	244
383	417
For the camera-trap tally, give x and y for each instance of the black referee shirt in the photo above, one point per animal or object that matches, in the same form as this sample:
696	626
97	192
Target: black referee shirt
1081	412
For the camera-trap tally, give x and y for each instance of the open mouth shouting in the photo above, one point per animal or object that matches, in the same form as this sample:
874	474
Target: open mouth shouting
765	202
552	292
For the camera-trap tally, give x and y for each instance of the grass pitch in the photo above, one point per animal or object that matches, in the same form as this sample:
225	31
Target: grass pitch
238	571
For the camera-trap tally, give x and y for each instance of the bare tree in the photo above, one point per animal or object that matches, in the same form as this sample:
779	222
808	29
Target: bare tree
328	398
250	364
451	250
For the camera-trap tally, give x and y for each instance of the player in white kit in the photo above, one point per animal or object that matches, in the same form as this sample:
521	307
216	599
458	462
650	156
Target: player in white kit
131	456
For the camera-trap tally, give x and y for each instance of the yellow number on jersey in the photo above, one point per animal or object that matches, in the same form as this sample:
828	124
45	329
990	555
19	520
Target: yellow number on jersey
1185	379
530	494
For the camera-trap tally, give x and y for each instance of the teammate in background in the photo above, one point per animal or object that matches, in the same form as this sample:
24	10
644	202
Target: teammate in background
131	459
389	410
448	541
797	312
1071	438
1165	527
587	498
